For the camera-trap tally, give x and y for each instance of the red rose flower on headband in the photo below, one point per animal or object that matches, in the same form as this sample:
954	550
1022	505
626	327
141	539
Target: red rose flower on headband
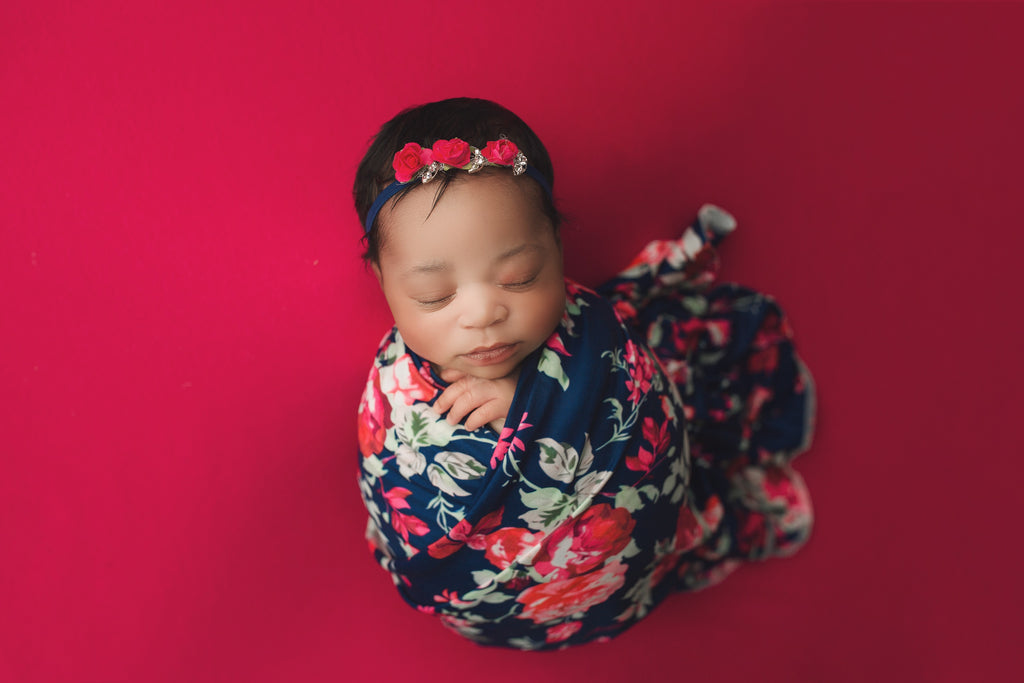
454	152
408	160
500	152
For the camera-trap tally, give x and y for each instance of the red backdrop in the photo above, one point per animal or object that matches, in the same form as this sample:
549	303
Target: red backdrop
186	325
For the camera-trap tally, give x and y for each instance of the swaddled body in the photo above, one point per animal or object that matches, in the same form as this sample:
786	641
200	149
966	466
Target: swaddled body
646	450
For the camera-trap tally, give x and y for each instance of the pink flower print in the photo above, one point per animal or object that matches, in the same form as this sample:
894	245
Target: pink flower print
374	417
506	444
624	311
756	400
640	369
563	631
718	331
554	343
713	512
765	360
465	534
783	485
654	253
752	531
583	543
686	335
556	600
396	497
455	539
451	598
410	383
643	461
407	524
404	524
657	436
689	532
505	545
574	288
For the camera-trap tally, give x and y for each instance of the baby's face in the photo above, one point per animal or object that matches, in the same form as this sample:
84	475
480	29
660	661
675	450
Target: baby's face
477	285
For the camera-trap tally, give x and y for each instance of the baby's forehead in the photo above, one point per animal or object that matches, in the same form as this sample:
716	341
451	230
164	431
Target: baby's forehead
485	198
477	223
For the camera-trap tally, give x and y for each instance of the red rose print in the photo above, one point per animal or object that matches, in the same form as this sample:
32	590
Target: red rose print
563	631
624	311
453	152
409	383
689	532
554	343
465	534
764	361
751	533
447	545
585	542
505	545
374	417
556	600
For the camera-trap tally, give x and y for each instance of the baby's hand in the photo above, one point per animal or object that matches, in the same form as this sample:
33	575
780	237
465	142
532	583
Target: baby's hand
477	400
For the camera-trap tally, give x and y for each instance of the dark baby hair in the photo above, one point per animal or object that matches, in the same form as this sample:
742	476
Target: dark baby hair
476	121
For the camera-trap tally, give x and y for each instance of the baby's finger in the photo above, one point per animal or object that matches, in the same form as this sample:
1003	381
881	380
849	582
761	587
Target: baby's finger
464	404
482	415
448	396
444	401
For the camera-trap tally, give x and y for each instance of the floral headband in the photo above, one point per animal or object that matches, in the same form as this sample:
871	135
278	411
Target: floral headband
412	161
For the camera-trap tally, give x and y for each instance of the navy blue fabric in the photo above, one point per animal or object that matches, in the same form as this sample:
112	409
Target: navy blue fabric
646	450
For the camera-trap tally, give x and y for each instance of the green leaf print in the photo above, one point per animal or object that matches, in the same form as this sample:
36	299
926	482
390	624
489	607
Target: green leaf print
551	365
460	465
548	506
443	481
628	498
558	460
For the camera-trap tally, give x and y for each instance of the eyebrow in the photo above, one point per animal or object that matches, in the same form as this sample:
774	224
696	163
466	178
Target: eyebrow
441	266
428	267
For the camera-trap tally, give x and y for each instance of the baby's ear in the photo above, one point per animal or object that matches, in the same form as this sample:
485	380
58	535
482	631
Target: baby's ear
376	273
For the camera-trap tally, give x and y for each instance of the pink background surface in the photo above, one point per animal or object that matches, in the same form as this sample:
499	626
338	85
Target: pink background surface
186	325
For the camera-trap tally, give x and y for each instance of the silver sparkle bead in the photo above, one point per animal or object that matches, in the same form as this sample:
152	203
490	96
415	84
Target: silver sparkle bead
430	171
519	164
477	162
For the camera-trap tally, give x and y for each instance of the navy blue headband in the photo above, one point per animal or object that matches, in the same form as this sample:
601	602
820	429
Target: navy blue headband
413	162
396	187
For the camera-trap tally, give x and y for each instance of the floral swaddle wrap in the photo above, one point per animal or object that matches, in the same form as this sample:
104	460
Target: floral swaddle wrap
646	451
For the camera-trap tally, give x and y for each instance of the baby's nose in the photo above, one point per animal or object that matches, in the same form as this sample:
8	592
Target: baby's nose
482	307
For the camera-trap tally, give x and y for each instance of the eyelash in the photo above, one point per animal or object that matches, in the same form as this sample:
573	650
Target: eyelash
436	303
518	285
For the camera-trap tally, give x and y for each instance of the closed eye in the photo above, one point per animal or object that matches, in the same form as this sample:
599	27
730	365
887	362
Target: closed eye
434	303
520	284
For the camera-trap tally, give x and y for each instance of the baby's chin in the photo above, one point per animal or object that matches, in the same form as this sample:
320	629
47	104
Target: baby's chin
491	373
512	374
